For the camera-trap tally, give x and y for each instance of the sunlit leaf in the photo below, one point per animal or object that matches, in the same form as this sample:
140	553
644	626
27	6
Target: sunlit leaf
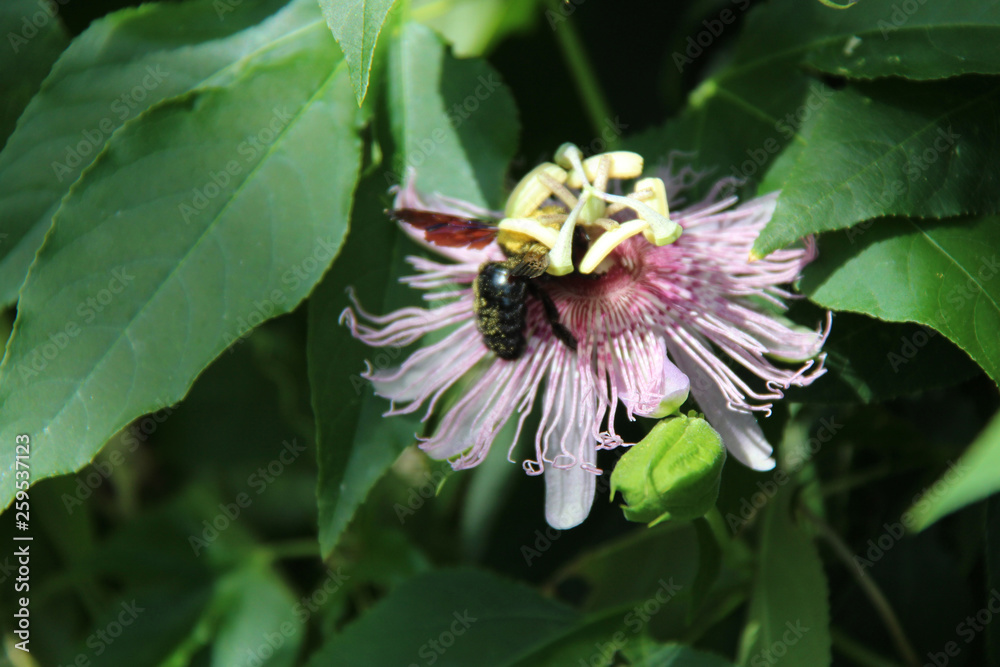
924	150
201	219
356	24
122	65
970	479
929	40
941	274
454	120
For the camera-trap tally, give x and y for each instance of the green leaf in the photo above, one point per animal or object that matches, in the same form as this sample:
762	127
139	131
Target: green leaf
36	37
992	563
789	617
923	150
970	479
204	217
742	116
481	619
356	24
261	619
355	444
454	121
672	473
157	624
929	40
668	553
941	274
120	66
671	655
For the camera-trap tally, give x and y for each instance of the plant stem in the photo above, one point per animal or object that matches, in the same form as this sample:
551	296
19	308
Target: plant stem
856	651
307	548
868	587
594	102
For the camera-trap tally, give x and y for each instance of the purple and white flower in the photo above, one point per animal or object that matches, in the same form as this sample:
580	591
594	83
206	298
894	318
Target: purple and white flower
652	304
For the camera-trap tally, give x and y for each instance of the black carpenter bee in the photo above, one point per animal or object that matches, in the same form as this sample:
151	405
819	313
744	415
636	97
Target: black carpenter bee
501	288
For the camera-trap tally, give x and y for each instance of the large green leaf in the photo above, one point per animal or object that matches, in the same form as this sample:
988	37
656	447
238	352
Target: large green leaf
121	65
446	618
789	616
355	444
35	37
202	218
970	479
928	40
356	24
454	121
924	150
941	274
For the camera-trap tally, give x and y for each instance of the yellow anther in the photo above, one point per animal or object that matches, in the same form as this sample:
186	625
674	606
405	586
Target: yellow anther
530	227
608	241
532	191
623	164
658	201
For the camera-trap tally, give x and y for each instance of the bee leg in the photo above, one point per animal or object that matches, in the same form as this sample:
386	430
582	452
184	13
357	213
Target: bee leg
552	315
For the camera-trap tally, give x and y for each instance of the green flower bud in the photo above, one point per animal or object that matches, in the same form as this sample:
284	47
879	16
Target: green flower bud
673	473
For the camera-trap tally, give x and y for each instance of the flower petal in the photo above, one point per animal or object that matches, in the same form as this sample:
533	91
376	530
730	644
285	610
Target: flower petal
569	492
740	432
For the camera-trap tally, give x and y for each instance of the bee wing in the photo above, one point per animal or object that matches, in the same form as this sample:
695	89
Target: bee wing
449	231
531	265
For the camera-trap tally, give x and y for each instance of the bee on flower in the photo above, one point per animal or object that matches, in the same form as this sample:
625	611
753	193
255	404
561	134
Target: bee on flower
581	302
